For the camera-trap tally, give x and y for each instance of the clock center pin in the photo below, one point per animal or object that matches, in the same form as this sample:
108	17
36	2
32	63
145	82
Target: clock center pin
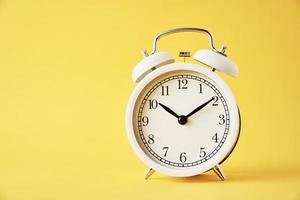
182	119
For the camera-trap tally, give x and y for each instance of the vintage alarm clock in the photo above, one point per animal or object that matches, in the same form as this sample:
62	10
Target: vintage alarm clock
182	119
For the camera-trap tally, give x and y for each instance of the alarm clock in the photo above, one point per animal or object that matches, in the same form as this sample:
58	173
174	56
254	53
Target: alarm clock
182	119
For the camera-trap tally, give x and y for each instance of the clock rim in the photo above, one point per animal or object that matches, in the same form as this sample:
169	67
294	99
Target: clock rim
229	143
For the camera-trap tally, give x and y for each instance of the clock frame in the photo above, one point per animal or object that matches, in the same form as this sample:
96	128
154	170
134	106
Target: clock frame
224	151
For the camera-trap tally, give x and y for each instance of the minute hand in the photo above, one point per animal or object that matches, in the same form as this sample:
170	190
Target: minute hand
200	107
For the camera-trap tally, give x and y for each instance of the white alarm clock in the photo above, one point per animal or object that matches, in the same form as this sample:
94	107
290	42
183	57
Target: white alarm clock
182	119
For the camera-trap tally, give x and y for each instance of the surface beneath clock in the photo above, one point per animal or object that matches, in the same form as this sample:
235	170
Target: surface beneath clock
243	182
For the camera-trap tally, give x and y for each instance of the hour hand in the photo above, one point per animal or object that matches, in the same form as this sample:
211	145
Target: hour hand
168	110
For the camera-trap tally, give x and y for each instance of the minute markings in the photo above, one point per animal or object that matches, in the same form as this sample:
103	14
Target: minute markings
178	164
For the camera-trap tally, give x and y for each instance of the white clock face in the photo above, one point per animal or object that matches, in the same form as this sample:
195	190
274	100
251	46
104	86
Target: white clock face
181	119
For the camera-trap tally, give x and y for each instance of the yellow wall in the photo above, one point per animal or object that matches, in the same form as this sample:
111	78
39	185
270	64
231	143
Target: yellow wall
65	78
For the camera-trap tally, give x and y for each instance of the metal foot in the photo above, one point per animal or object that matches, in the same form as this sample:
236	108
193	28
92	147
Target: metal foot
218	170
149	172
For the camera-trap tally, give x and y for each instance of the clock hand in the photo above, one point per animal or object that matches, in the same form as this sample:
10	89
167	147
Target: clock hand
168	110
200	107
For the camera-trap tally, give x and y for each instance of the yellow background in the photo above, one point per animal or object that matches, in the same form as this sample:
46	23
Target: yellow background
65	79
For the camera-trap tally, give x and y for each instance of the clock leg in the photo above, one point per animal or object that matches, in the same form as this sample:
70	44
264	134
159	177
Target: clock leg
149	172
218	170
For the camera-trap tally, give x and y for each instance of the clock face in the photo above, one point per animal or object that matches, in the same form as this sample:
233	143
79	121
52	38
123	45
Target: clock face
181	119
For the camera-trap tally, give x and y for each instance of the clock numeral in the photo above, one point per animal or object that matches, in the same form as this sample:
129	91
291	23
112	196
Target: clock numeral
222	119
150	139
182	157
145	121
215	138
202	152
166	149
182	84
215	103
200	88
153	104
165	90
